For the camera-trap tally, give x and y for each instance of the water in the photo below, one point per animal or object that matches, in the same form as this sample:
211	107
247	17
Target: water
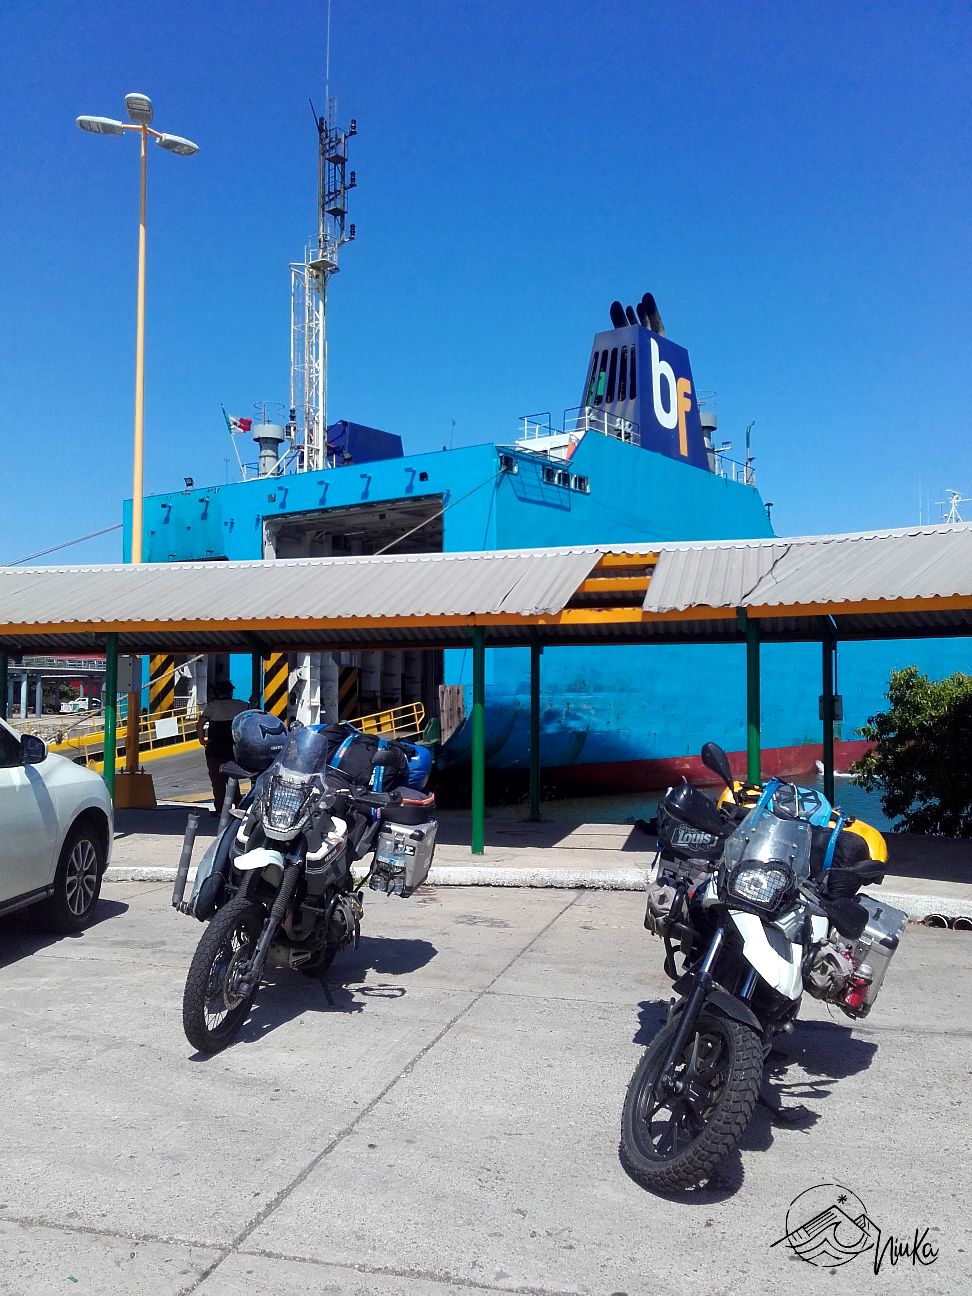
853	800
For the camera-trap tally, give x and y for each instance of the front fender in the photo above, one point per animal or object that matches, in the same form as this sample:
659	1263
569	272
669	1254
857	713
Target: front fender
724	1004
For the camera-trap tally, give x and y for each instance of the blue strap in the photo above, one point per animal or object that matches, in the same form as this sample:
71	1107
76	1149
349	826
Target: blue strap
832	844
378	774
336	758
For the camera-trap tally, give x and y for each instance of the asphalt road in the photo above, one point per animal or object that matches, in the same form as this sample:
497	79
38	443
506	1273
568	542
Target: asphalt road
451	1124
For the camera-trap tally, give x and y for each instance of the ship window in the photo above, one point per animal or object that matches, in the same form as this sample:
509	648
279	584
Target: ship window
581	484
550	476
592	378
601	378
632	376
563	479
612	374
623	375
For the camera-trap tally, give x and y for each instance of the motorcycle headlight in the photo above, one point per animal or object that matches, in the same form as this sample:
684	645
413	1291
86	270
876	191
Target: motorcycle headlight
761	884
284	804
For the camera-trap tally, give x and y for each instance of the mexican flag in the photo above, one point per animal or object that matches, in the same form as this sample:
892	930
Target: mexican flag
236	424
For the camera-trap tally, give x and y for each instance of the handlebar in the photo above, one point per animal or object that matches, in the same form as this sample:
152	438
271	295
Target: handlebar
380	799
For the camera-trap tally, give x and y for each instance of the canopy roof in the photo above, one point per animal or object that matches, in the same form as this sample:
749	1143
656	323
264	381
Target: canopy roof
881	584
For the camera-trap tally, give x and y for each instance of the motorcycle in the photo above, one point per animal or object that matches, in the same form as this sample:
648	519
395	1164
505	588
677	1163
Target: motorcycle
279	886
760	894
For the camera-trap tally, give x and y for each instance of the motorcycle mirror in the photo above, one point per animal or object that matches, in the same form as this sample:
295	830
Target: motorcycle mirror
715	759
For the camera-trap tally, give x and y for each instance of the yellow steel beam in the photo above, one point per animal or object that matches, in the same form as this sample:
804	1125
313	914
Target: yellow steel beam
614	584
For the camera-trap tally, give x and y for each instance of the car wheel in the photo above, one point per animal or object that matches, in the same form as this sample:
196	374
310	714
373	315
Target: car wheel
77	882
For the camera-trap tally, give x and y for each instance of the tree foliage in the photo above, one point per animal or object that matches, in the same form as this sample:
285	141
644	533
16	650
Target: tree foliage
922	759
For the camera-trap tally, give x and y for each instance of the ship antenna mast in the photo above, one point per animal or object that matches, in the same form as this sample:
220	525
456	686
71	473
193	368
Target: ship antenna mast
309	280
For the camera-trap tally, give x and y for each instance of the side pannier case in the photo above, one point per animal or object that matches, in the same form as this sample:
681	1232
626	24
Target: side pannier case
406	844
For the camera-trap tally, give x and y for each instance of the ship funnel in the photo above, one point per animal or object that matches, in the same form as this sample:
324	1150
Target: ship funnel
268	437
618	319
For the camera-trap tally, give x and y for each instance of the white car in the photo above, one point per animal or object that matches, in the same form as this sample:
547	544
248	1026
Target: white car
56	826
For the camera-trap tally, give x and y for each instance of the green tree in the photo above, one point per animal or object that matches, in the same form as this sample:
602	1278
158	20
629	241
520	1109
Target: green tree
922	759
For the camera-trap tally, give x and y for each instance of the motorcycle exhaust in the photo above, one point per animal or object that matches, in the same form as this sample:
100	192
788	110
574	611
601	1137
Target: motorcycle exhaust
961	923
185	859
935	920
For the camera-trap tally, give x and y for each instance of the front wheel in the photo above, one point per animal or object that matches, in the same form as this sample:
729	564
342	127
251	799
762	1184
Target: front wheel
674	1140
213	1010
77	881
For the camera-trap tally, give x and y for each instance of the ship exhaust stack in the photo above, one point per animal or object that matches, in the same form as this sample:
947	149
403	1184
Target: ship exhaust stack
617	315
268	437
652	314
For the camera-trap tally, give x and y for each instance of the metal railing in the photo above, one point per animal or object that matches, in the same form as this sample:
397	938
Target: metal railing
161	729
733	470
406	721
588	418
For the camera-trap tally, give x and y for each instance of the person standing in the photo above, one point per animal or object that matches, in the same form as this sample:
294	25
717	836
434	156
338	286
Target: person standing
214	729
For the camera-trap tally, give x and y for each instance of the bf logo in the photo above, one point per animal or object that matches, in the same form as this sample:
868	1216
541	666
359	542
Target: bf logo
671	397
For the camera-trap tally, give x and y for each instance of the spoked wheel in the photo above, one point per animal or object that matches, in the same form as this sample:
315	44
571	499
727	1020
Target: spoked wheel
213	1010
673	1139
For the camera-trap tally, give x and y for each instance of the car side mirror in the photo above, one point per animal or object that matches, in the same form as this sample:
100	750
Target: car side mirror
33	750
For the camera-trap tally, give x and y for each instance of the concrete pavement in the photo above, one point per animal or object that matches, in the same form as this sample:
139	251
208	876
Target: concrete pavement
451	1125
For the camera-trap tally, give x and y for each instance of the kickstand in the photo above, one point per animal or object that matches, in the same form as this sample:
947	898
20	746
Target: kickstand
780	1114
322	978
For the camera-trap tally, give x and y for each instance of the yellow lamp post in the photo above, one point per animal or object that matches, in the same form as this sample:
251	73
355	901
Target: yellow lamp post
139	108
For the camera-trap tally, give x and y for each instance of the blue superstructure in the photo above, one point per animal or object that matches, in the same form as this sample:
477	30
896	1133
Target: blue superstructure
632	463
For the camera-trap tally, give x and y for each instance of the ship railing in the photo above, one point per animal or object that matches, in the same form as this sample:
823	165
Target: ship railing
535	425
588	418
732	470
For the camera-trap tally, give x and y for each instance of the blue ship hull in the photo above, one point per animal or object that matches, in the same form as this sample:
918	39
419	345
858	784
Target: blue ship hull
617	715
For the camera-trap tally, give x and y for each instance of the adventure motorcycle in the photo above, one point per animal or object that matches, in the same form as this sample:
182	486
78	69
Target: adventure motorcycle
760	895
278	887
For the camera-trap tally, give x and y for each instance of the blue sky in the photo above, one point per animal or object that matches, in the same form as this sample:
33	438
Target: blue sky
791	181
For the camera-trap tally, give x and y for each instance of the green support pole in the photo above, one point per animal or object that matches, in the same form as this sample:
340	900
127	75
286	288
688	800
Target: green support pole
3	683
827	712
479	742
535	651
752	698
256	680
110	709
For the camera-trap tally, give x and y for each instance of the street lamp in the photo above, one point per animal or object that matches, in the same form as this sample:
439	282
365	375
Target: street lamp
139	108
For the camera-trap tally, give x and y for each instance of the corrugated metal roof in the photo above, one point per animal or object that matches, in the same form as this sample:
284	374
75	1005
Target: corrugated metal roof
311	589
430	600
875	566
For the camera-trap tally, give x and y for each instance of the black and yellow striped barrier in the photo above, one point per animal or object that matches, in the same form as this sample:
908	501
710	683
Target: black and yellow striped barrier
347	692
276	684
161	697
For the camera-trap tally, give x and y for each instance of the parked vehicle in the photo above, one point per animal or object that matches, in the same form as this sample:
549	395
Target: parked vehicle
760	895
279	887
55	832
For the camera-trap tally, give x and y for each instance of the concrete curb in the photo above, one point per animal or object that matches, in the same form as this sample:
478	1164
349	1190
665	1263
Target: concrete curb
916	907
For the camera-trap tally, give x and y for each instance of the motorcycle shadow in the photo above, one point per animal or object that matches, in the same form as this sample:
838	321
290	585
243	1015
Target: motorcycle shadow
802	1067
285	995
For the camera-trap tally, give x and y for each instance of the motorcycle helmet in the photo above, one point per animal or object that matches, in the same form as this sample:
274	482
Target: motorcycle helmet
258	739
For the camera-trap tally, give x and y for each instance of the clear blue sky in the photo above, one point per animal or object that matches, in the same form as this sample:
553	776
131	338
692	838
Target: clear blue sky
792	182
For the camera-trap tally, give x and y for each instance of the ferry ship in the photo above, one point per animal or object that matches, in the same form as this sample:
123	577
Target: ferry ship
635	460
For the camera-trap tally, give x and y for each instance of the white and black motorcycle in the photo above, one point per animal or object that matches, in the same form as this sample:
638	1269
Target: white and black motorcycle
282	884
762	906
